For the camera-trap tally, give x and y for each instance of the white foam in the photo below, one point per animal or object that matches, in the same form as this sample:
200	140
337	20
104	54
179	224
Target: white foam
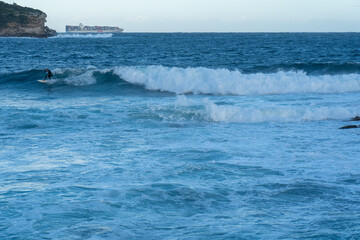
225	82
76	35
58	71
86	78
74	76
269	113
276	114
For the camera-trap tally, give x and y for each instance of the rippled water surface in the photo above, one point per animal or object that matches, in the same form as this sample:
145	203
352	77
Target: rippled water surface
180	136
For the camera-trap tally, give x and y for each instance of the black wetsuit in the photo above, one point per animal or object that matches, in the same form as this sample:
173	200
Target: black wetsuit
49	74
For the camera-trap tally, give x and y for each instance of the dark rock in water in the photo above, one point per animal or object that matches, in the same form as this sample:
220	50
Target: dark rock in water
357	118
17	21
349	126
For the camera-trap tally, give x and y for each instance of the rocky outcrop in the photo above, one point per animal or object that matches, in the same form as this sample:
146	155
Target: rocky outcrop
17	21
349	126
357	118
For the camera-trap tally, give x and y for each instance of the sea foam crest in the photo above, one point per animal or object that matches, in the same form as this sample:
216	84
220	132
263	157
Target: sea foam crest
219	113
267	113
202	80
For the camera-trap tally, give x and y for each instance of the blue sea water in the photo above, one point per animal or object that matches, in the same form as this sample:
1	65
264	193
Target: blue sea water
180	136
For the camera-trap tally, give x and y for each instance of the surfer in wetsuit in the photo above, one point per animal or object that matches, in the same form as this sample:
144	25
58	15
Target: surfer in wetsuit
49	74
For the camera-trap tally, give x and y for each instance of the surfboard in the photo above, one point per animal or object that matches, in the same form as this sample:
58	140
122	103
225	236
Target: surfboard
42	81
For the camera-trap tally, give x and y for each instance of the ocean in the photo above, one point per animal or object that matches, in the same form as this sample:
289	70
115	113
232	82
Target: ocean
180	136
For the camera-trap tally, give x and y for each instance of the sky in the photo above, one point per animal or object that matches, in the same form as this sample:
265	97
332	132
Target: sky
204	15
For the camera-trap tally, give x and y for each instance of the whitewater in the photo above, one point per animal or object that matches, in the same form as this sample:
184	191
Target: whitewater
180	136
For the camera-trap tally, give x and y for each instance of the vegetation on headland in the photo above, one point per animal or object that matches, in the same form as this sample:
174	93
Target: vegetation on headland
10	13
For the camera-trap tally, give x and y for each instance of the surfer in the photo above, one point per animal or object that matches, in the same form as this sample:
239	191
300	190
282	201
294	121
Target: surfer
49	74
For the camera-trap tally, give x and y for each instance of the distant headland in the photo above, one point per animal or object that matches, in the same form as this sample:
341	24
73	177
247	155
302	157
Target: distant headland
17	21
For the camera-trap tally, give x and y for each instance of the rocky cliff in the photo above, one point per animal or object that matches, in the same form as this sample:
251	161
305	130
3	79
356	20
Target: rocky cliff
17	21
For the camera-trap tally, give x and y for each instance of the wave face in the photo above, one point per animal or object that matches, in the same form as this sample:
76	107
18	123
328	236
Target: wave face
226	82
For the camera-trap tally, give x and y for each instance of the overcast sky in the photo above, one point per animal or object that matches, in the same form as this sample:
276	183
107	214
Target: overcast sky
204	15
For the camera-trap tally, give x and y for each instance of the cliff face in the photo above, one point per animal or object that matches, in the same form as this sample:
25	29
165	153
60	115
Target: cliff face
17	21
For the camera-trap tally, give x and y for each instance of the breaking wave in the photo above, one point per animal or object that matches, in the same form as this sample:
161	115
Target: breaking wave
230	113
139	80
197	80
225	82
